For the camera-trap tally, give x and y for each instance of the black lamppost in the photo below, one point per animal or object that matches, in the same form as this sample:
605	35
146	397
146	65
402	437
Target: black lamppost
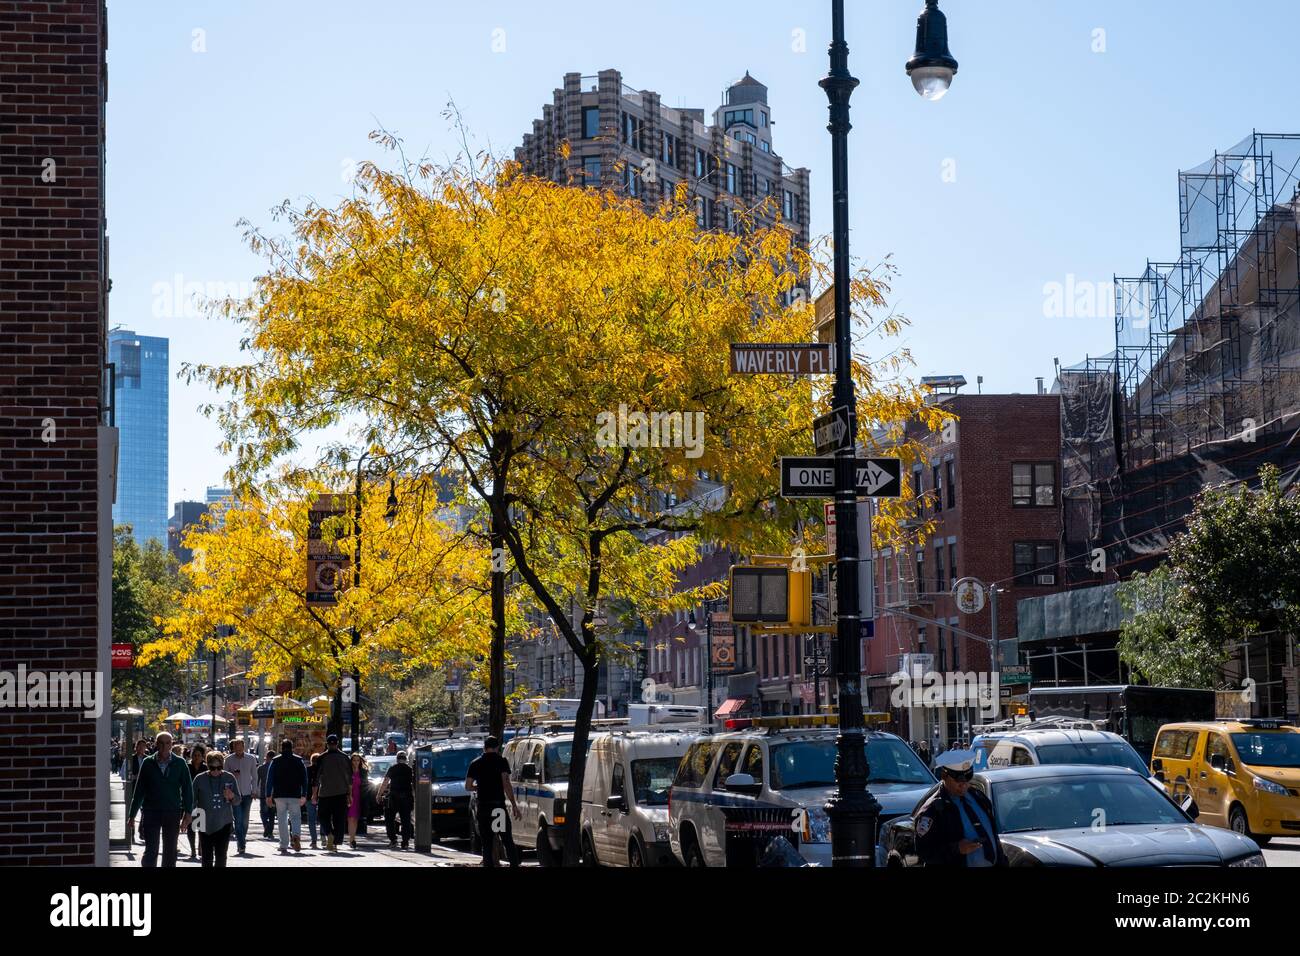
390	515
853	811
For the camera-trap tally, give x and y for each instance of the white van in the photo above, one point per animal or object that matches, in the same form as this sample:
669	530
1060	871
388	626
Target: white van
625	796
655	715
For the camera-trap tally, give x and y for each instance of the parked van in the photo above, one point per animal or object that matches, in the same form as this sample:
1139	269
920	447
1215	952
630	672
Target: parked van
1243	774
625	796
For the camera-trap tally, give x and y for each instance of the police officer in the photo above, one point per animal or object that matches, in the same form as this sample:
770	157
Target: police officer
955	827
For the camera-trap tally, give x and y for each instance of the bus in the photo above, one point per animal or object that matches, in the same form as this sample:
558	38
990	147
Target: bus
1133	711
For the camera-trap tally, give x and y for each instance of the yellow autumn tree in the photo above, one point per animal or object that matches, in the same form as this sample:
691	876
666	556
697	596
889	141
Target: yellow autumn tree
420	603
562	354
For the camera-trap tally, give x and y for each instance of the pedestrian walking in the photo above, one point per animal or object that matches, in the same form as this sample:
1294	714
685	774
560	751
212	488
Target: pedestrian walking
488	777
243	767
333	788
165	794
356	796
923	751
268	814
216	794
131	773
956	826
286	788
197	765
312	810
397	794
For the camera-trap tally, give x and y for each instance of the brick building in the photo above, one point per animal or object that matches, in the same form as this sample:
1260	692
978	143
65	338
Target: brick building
56	447
992	486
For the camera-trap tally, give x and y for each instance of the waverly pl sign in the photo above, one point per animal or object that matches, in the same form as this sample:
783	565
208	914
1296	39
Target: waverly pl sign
781	359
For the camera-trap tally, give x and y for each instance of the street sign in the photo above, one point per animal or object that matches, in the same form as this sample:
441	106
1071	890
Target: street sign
828	513
1014	674
815	478
781	359
831	432
969	593
123	656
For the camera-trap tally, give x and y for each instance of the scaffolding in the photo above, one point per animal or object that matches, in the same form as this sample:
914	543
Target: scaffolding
1204	384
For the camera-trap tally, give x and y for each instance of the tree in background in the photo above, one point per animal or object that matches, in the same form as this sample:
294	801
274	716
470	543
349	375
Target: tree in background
146	587
1232	575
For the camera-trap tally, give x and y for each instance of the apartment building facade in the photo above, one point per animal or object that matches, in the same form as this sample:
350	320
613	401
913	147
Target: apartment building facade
992	488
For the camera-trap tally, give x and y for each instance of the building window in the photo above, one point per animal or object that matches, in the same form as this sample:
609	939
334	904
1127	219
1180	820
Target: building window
956	648
938	488
1035	563
916	482
746	137
765	145
888	576
1033	485
699	163
666	148
763	117
952	560
733	177
950	473
940	584
732	117
701	213
590	122
632	179
591	169
920	572
787	206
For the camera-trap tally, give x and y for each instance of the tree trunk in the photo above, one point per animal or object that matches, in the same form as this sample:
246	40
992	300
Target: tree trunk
578	762
497	654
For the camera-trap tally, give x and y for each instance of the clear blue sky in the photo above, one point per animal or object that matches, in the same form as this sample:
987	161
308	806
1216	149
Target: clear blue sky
1065	159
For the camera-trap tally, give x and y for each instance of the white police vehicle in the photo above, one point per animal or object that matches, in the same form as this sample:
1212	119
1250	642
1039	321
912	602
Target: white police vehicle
740	796
539	773
1029	747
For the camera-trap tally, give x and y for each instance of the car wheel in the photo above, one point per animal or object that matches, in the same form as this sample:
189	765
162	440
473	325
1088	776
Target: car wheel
635	857
588	851
545	855
691	850
1238	823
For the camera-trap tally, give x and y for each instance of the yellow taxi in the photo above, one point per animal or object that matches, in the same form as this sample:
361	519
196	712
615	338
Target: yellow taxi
1243	774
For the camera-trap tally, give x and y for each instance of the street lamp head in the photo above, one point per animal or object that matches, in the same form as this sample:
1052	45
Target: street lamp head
391	514
932	67
691	623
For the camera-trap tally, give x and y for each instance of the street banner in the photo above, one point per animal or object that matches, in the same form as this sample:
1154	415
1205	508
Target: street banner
327	564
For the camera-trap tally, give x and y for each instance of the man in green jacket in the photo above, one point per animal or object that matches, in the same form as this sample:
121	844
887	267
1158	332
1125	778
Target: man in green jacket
164	790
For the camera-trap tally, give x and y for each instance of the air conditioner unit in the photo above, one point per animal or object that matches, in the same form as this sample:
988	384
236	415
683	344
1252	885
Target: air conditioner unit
1045	579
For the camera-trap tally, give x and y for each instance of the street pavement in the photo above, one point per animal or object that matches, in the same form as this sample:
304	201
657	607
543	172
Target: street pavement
372	847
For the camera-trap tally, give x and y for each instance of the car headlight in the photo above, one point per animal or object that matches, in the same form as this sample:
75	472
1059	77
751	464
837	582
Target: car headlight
816	825
661	833
1255	859
1268	786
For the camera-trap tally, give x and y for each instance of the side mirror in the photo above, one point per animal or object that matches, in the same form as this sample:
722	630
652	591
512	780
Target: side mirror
743	783
528	771
617	802
1190	808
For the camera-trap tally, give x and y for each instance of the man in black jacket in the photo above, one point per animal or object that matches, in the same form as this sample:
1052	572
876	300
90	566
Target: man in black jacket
956	826
397	795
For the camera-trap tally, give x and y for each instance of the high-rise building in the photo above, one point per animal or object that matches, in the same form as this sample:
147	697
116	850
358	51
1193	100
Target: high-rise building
140	398
627	140
184	515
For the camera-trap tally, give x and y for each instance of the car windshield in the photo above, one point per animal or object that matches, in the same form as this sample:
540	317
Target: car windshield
558	756
811	763
651	779
452	764
379	766
1073	803
1276	749
1101	753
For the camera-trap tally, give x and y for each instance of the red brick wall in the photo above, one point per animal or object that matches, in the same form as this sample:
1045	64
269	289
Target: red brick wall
993	431
52	78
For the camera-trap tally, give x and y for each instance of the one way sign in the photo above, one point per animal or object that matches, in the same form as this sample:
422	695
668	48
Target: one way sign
831	432
815	478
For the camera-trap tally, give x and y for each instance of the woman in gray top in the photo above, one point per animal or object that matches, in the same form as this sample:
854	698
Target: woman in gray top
215	795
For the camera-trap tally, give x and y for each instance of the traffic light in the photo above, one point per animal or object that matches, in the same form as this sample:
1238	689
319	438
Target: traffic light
771	595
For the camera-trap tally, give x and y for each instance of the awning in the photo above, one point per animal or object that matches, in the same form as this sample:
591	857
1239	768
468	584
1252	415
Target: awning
731	707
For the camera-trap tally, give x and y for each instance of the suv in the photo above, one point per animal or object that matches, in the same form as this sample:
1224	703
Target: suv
625	796
735	793
1243	774
450	799
539	773
1027	748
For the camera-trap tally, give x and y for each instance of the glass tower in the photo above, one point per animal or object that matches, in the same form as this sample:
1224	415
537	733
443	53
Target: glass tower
140	402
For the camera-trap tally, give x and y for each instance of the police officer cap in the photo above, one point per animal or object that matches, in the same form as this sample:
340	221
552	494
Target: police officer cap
959	760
